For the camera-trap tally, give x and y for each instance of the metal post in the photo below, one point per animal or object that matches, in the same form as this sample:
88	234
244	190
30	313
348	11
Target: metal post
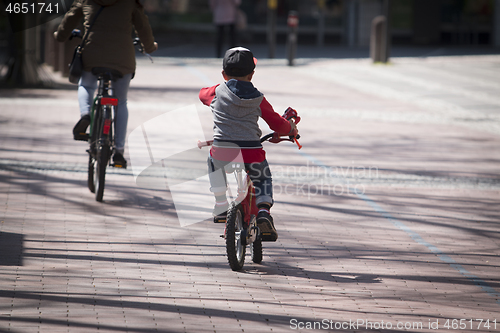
387	31
496	24
378	39
321	23
293	24
272	5
352	23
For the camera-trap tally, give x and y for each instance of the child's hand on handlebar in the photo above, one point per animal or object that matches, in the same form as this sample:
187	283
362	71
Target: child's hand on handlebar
293	136
291	114
294	131
292	117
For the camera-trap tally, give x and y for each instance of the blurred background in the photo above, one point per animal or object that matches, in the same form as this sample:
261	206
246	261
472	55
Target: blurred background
328	28
449	22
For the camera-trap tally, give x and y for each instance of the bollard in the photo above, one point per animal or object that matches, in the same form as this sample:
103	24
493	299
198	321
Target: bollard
293	24
320	38
272	6
378	40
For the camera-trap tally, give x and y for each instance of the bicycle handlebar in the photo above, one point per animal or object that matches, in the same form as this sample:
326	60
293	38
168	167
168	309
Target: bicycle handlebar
140	48
76	33
290	114
276	138
271	137
138	44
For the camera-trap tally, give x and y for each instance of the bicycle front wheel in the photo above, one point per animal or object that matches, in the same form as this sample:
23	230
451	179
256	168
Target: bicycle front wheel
101	162
235	246
256	251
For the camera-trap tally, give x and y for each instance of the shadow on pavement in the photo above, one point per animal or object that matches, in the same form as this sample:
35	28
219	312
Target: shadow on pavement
11	249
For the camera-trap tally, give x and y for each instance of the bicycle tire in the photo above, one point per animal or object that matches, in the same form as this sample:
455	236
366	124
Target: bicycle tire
101	163
256	251
235	247
90	175
94	125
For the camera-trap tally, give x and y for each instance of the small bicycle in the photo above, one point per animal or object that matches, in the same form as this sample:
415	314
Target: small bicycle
241	221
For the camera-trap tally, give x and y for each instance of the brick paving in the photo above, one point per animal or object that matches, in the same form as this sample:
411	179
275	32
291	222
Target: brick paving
390	216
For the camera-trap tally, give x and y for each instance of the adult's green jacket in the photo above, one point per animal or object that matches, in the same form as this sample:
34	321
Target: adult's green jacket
109	43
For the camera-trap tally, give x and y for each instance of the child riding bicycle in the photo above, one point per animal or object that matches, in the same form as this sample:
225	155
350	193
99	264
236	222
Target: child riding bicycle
236	106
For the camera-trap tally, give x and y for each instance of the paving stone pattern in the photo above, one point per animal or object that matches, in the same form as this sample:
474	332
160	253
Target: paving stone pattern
388	218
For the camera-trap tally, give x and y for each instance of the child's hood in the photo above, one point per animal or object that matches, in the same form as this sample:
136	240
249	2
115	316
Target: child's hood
244	96
243	89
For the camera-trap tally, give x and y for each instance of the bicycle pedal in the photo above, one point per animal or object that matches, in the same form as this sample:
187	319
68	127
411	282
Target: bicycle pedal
81	137
268	237
122	166
219	219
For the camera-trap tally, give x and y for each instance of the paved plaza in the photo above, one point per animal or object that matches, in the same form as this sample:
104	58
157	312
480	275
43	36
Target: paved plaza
388	217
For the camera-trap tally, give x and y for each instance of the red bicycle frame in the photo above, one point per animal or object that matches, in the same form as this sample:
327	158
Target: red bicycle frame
246	197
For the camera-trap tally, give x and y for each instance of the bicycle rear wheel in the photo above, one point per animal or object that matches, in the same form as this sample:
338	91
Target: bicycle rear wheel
235	246
101	162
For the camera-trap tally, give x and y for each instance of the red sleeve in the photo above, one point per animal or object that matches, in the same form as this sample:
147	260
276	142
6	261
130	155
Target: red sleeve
207	94
276	122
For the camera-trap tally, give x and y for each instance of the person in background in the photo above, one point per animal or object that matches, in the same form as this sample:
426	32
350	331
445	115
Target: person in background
224	18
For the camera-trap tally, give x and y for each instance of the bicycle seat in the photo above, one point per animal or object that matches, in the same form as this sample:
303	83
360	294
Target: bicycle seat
107	73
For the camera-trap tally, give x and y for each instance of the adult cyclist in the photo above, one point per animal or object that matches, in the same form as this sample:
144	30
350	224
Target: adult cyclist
109	44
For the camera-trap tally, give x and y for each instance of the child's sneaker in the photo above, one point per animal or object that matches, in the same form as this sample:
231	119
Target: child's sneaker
220	212
266	225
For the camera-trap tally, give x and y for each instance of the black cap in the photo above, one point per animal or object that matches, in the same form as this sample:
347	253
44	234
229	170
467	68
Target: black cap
238	62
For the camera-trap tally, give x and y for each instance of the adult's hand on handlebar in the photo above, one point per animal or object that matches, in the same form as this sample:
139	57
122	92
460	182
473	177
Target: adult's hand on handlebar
75	33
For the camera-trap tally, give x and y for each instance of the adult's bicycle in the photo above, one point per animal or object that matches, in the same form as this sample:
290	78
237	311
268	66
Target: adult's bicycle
102	120
101	138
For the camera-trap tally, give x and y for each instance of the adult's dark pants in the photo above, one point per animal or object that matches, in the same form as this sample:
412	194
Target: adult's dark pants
222	31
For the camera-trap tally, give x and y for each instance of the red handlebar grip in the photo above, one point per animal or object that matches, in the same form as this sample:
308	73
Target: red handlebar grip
205	143
297	142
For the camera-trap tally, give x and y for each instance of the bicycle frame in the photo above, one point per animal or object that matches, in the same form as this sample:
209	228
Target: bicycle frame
246	198
101	138
106	102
